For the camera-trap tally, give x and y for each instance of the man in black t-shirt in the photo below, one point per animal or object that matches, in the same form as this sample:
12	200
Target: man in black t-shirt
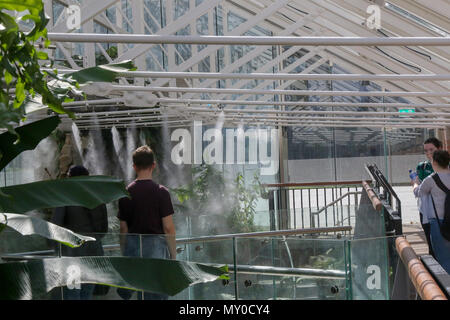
146	217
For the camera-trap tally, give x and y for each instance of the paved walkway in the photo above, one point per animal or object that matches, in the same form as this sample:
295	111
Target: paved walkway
416	237
411	221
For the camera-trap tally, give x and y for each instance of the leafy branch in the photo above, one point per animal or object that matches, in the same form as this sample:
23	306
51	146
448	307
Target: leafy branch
20	63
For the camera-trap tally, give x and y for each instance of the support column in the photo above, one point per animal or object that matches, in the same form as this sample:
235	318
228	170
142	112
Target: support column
447	138
444	136
284	193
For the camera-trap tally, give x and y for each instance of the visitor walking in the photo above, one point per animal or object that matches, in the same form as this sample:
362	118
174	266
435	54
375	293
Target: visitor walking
441	247
89	222
423	170
146	222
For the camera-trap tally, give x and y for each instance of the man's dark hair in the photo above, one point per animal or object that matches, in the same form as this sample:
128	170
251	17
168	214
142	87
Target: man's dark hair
442	158
434	141
75	171
143	157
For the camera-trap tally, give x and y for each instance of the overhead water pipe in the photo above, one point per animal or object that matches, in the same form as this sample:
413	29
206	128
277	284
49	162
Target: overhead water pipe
276	92
280	76
286	76
248	40
185	123
264	117
265	111
302	103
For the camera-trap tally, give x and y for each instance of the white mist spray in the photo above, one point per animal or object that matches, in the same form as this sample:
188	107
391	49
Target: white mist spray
131	146
220	120
40	163
166	143
118	149
95	160
77	139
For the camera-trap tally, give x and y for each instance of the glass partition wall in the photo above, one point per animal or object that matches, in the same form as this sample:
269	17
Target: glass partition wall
260	268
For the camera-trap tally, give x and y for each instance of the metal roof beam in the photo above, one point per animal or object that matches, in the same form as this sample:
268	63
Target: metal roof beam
332	21
297	103
285	76
319	11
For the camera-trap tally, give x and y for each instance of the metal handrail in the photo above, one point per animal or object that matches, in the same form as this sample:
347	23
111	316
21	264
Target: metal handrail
336	201
394	217
376	203
247	269
379	178
331	204
220	237
423	281
288	272
312	184
438	273
264	234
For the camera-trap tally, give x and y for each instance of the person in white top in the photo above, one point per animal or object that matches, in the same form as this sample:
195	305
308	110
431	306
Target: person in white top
423	170
441	247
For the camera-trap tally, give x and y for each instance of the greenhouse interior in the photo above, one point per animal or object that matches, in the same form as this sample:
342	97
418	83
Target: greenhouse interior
285	133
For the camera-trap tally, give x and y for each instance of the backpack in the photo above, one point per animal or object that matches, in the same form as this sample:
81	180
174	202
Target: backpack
445	226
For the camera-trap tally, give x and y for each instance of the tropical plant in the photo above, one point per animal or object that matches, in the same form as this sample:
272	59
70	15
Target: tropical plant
210	193
243	211
101	59
20	64
28	280
220	205
207	189
25	88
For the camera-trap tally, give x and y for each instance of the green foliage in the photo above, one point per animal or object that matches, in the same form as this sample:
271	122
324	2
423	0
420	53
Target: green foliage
4	222
233	200
26	225
85	191
30	280
20	63
243	212
329	259
29	137
20	67
59	137
208	184
34	6
101	59
103	73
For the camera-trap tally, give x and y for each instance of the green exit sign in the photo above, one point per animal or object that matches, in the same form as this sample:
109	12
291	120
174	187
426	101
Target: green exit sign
409	110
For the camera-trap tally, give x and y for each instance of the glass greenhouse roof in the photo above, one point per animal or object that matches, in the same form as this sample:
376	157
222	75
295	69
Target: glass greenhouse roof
201	76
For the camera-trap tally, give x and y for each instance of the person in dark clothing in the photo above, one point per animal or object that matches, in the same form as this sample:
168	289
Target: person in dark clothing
146	223
89	222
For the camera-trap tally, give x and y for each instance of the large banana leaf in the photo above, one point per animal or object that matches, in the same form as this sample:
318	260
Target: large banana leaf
29	137
27	225
102	73
85	191
32	279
